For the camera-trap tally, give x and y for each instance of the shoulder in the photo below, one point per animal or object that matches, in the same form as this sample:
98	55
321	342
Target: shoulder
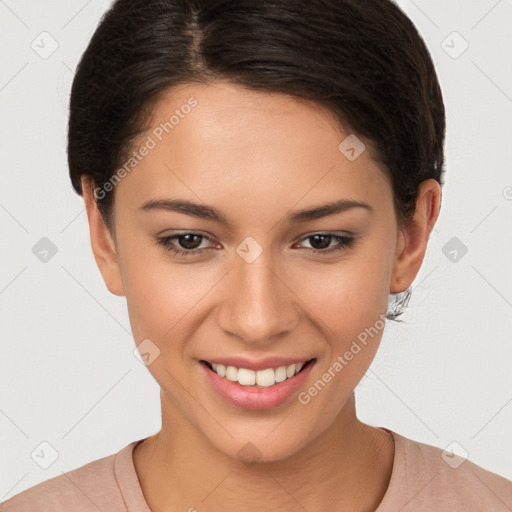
91	487
428	478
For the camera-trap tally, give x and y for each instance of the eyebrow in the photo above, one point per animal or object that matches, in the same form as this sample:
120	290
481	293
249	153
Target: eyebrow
210	213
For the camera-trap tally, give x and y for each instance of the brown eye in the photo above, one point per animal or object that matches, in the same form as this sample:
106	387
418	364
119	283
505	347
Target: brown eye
321	241
183	244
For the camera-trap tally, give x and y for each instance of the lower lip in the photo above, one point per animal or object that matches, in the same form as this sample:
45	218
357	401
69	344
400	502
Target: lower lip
254	398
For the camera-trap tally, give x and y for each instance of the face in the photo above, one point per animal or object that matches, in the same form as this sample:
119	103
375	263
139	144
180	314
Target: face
255	282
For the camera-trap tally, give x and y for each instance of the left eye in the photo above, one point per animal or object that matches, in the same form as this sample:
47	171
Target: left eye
190	246
324	239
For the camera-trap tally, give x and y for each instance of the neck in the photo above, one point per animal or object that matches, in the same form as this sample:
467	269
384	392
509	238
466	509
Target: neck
347	467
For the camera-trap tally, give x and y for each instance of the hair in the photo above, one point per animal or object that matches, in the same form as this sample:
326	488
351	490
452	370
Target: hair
362	60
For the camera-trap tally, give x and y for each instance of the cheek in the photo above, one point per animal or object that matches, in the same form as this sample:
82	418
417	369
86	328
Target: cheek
346	297
348	301
164	299
349	306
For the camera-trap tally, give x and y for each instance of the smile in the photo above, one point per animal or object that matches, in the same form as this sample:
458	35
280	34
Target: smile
259	378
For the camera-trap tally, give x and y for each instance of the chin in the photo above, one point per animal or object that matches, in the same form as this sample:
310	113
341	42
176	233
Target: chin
251	448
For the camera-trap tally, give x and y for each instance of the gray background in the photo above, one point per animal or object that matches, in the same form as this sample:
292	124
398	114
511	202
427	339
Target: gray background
69	378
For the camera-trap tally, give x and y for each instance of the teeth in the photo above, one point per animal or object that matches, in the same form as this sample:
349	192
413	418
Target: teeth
231	373
265	378
246	377
260	378
281	374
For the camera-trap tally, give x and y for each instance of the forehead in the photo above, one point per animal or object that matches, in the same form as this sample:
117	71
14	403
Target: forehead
223	140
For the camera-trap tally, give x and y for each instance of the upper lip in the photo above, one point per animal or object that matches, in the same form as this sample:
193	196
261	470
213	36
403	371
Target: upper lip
257	364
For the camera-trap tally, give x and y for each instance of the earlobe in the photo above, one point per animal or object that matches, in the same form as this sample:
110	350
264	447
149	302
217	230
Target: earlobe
413	238
102	244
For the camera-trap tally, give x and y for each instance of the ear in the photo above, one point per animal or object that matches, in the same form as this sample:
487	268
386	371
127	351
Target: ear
413	238
102	243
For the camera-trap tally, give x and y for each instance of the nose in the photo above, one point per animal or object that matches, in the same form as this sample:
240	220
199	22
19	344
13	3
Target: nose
258	304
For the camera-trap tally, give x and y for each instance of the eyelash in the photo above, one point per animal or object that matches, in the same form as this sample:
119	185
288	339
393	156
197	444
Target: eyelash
346	242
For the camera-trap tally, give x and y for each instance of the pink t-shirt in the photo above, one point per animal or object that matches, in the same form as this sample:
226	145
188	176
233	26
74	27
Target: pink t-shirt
421	481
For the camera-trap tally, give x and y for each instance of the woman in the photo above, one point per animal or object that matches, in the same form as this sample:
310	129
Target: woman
260	177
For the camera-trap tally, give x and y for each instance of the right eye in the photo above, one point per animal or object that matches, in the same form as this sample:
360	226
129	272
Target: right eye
188	241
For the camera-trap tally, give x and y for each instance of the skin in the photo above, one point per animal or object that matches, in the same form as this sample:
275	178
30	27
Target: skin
258	156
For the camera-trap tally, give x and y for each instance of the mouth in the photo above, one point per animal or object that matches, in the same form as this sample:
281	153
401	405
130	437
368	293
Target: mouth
264	378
